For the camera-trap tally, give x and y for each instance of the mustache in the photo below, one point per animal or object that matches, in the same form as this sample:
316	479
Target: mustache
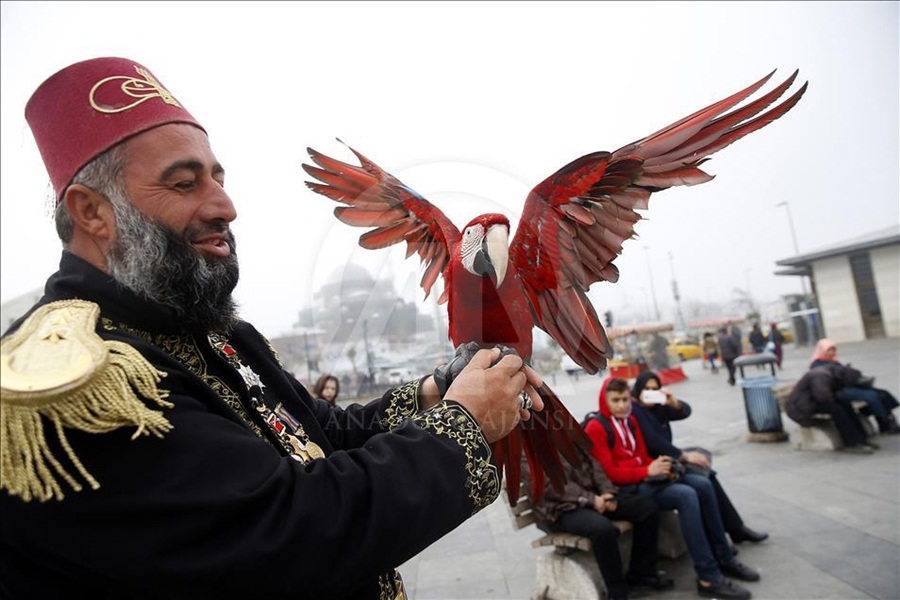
199	231
196	233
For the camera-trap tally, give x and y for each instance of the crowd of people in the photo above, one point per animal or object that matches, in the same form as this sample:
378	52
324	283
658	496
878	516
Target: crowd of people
621	450
634	459
727	345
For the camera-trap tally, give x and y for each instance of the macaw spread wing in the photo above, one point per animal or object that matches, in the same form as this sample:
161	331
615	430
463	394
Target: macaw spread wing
574	222
377	199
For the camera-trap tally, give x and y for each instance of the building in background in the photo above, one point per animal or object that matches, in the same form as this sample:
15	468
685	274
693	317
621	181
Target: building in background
10	311
855	285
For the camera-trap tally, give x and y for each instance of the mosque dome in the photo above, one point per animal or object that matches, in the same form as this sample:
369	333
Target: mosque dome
350	274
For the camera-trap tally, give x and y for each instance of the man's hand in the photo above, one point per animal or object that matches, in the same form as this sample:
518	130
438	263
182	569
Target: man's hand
605	503
490	390
661	466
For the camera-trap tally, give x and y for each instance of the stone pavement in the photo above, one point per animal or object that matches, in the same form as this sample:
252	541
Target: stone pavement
833	518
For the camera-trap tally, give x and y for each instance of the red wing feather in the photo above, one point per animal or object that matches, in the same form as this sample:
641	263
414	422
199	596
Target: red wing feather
375	198
550	436
575	222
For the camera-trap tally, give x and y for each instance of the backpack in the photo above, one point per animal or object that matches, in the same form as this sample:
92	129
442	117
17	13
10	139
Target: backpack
600	418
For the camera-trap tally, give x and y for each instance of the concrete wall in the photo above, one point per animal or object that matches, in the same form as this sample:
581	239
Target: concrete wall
838	305
886	270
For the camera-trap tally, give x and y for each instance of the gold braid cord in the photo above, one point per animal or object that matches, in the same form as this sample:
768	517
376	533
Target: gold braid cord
55	369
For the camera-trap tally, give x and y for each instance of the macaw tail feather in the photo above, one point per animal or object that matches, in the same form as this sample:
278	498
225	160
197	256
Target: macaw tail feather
546	439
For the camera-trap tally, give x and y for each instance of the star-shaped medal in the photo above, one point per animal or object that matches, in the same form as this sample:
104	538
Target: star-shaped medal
250	377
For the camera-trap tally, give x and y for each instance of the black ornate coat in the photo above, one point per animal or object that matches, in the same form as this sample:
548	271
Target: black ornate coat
227	503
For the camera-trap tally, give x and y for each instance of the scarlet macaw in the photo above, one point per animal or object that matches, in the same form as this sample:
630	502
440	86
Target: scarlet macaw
572	227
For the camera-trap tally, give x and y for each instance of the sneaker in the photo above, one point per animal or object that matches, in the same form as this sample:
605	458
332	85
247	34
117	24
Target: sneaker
745	534
657	581
723	589
739	570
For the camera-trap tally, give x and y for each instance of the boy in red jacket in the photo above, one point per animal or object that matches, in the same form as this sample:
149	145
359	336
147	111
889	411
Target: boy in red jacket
619	448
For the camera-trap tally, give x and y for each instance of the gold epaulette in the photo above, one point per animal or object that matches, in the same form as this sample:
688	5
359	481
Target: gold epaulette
56	367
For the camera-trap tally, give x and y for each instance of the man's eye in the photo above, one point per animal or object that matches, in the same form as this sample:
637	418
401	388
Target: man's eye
184	185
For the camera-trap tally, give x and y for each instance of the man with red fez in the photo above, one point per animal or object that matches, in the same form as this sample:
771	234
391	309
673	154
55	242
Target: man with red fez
152	444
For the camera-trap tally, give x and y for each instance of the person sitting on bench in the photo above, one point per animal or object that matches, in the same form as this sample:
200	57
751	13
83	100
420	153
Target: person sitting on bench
879	402
654	418
818	391
586	507
623	456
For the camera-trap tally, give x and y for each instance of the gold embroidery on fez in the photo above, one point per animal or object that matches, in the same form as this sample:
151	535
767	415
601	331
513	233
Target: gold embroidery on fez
133	87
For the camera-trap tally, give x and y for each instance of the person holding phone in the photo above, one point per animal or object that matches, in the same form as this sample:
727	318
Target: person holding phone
654	407
587	506
622	453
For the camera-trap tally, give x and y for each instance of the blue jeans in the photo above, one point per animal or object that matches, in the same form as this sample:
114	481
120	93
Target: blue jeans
701	523
867	395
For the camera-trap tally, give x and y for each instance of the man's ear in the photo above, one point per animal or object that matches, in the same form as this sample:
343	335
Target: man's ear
91	213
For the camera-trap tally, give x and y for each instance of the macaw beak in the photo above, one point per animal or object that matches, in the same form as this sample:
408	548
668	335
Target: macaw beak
496	247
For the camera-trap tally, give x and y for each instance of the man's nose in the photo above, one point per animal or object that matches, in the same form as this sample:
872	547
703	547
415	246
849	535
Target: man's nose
218	205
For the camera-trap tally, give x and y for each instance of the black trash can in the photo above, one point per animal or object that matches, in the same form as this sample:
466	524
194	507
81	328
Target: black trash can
763	412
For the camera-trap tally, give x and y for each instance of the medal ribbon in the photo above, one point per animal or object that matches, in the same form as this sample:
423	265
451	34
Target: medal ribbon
289	431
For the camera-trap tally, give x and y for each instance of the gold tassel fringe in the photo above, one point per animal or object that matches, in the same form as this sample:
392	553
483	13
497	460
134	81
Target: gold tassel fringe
107	398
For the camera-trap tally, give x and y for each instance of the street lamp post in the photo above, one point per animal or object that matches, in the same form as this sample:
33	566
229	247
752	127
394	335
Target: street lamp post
749	294
370	368
652	288
794	238
675	293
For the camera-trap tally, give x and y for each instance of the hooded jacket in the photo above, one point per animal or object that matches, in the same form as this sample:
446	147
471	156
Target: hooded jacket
659	414
623	466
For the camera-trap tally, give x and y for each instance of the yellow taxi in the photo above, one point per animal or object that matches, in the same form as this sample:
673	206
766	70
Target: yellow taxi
787	332
685	348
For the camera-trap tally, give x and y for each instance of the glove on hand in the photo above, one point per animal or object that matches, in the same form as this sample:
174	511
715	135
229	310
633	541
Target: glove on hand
445	374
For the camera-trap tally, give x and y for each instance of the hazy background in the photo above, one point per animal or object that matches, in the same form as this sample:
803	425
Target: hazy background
472	104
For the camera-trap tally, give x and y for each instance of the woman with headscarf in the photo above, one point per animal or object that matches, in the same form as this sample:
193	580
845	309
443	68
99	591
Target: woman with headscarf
879	402
818	391
654	419
620	449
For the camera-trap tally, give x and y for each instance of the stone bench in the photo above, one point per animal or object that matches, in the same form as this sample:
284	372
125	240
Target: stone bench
570	571
822	435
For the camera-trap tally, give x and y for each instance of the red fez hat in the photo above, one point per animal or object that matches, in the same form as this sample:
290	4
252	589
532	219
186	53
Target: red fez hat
89	107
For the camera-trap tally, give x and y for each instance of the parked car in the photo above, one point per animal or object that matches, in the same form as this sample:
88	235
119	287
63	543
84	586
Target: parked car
685	348
570	366
398	376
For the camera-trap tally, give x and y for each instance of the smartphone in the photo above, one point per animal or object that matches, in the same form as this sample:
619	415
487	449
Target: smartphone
653	397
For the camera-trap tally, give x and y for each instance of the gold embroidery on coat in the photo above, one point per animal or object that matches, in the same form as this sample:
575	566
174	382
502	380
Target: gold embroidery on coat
453	422
183	348
404	404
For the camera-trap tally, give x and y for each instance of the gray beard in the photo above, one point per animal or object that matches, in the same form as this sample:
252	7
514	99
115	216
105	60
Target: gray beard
159	264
